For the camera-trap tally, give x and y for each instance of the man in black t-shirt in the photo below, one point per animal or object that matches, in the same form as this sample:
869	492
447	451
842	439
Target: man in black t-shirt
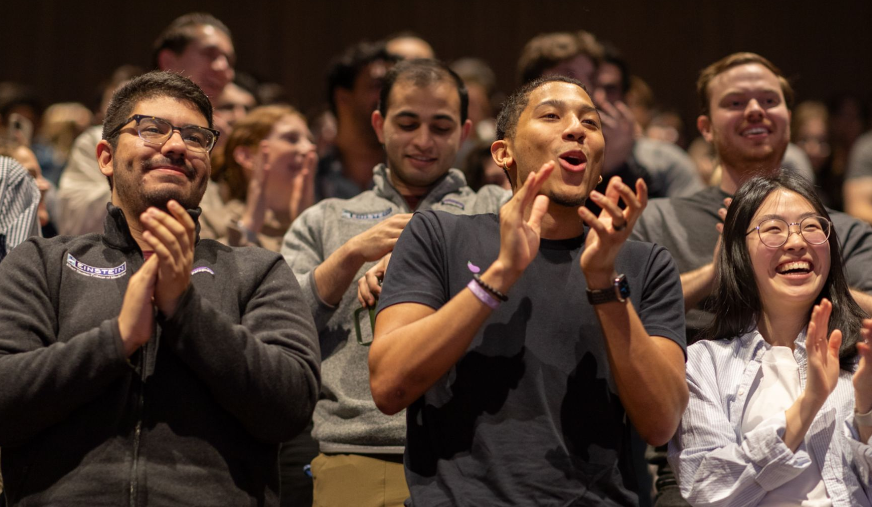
527	401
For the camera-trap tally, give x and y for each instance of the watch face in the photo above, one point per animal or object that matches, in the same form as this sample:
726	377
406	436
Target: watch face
622	287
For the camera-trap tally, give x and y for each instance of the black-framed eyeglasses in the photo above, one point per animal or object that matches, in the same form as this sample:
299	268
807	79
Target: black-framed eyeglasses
154	130
774	232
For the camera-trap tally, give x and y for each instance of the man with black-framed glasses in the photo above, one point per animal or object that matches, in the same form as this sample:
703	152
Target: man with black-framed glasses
196	45
144	365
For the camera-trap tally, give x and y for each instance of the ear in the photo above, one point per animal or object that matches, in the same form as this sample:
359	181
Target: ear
704	125
105	157
243	156
501	153
378	124
166	60
465	130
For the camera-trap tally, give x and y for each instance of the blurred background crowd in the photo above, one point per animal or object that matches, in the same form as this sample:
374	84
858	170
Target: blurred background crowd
319	65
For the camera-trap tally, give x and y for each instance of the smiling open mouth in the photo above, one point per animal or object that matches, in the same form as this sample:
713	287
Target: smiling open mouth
573	161
757	131
794	268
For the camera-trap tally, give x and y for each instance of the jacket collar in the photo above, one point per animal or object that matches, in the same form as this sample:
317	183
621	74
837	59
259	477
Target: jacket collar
116	232
452	181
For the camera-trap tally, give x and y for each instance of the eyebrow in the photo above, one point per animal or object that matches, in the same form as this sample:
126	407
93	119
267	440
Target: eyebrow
733	92
562	104
410	114
779	217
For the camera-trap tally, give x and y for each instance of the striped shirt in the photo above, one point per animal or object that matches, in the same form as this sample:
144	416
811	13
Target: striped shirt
19	200
718	465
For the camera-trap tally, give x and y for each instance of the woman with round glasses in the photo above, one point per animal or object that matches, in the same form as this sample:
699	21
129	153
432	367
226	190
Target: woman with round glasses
774	388
267	176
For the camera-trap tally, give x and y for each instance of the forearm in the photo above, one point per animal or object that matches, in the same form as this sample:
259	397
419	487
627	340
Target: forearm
337	272
255	208
856	438
266	364
42	386
406	360
798	420
715	467
43	377
697	285
648	372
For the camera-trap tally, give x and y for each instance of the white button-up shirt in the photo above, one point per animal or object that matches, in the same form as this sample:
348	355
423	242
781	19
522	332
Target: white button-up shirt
717	464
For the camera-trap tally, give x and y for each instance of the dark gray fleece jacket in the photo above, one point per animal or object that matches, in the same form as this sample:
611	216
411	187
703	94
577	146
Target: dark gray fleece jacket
195	417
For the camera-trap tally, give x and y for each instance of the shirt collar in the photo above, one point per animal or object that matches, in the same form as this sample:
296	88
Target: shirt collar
116	232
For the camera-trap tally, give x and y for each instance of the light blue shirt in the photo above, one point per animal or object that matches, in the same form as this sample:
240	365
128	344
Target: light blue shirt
717	464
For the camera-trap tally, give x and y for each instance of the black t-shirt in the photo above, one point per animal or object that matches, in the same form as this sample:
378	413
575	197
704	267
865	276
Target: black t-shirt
530	415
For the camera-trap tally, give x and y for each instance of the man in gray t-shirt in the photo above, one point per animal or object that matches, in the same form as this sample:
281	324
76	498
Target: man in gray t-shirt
745	102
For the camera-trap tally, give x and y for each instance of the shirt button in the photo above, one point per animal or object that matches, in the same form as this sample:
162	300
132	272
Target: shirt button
741	392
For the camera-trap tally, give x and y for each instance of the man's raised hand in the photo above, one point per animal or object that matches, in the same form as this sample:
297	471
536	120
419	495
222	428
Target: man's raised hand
612	227
521	220
136	321
172	237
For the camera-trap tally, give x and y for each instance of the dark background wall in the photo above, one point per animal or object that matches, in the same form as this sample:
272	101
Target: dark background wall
64	49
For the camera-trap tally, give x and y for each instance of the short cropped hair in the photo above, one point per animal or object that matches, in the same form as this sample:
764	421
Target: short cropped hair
345	68
734	60
157	83
423	72
507	121
154	84
180	33
549	49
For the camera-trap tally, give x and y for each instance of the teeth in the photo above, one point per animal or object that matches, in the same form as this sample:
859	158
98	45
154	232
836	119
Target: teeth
753	132
797	265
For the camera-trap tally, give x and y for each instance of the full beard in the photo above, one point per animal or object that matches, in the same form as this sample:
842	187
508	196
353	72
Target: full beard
137	199
161	196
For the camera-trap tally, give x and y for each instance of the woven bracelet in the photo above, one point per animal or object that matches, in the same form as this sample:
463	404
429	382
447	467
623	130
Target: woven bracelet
498	294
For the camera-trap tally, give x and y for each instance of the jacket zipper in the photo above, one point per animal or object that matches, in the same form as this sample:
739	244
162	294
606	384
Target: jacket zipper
140	403
137	430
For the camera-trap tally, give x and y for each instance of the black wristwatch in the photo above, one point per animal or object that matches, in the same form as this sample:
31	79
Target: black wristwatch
620	291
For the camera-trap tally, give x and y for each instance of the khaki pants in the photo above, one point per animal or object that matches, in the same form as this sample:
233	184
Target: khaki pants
342	480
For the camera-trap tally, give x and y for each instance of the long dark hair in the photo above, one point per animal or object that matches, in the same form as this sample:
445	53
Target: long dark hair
736	303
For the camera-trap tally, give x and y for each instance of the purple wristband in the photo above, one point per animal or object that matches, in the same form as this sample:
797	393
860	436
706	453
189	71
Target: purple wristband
482	294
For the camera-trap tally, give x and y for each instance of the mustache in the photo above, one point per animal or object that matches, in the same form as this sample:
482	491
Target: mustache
179	164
